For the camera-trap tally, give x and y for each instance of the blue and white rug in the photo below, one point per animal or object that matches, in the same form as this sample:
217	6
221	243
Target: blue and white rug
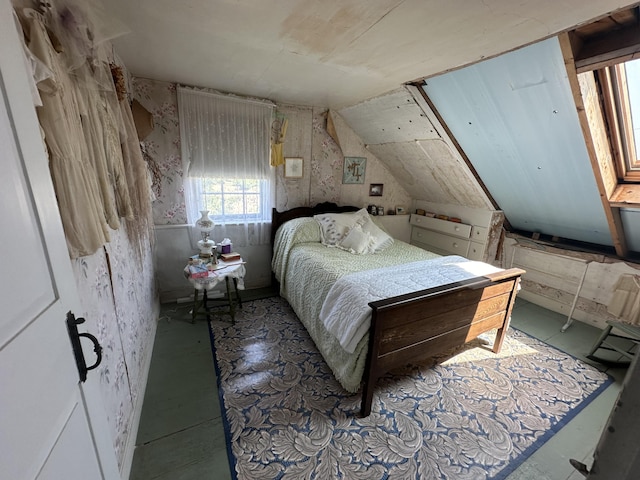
474	416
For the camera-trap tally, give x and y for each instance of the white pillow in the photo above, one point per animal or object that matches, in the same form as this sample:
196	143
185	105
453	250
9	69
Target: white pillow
365	237
357	240
334	226
379	239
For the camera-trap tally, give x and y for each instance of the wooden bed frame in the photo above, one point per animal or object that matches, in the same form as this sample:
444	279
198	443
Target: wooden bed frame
426	323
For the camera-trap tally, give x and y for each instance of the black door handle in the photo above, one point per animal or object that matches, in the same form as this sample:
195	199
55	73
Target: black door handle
74	335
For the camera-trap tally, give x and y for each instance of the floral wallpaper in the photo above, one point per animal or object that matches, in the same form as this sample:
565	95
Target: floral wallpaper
326	164
306	137
120	305
162	149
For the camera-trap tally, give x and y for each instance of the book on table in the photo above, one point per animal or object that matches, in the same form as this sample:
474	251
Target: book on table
198	271
230	257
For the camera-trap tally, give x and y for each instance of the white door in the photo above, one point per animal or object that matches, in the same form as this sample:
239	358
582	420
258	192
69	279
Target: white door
51	425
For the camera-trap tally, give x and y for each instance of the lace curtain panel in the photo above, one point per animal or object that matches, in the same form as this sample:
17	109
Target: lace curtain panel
227	137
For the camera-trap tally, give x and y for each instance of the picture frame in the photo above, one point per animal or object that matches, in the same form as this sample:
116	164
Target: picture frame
353	170
293	167
400	210
375	189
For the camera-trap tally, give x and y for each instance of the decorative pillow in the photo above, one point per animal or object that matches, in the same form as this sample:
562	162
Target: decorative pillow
334	226
357	240
379	239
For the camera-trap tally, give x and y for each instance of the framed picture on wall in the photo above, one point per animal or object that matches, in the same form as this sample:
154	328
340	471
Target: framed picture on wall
293	167
353	170
375	189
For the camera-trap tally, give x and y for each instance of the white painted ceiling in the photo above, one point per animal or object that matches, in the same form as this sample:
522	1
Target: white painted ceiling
331	53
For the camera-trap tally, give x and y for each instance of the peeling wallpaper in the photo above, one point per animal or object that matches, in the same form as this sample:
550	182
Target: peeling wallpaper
162	149
306	137
120	304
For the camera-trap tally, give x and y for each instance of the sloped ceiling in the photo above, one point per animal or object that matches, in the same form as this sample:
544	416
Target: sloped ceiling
354	55
331	53
515	118
399	133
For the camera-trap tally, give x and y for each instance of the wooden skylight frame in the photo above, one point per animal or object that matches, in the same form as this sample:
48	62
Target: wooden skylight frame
617	109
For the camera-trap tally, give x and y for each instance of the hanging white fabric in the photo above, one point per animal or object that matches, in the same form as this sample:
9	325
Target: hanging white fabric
224	136
227	137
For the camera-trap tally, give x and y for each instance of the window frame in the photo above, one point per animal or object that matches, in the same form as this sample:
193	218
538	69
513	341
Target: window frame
225	218
617	109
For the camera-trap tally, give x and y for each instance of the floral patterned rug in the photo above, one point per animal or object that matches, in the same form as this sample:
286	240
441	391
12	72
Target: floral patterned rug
473	415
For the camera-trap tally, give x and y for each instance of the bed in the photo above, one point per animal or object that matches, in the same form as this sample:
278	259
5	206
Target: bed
369	313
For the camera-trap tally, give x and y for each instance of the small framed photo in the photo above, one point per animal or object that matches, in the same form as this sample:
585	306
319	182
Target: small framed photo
375	189
400	210
293	167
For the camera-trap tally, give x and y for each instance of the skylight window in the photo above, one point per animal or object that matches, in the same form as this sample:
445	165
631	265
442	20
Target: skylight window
620	85
632	71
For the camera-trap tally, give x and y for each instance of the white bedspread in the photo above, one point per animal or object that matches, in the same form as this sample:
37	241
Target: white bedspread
346	313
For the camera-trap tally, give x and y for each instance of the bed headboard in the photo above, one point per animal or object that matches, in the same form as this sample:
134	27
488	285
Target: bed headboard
278	218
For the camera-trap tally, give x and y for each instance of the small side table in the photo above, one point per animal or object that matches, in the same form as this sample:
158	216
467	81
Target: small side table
230	272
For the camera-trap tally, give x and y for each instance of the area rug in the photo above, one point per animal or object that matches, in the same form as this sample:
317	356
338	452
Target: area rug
473	415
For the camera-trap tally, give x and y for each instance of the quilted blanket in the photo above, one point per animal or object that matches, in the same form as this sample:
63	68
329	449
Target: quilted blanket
346	313
306	270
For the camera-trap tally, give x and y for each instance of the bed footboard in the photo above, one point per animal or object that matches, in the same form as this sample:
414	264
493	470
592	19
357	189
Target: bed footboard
407	328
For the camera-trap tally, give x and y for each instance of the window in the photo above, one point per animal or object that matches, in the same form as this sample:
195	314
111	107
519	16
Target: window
621	93
232	200
225	144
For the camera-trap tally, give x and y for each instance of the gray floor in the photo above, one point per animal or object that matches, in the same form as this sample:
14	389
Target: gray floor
181	435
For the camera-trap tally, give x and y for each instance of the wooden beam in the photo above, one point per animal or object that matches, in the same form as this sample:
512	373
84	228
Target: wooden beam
610	112
603	144
626	195
612	214
605	50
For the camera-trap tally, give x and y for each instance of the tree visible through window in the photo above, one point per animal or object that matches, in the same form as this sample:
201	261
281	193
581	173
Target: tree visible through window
231	200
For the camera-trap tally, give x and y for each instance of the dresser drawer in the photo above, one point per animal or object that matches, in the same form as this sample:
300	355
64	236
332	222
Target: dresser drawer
444	226
443	243
479	234
476	251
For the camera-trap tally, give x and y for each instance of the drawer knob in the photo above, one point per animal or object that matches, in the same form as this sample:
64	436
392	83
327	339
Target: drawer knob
455	245
456	228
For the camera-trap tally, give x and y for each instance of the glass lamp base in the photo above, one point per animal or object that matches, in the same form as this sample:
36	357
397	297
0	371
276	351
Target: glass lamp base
206	248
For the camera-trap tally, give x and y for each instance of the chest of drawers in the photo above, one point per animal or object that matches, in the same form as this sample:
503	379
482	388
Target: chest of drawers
448	238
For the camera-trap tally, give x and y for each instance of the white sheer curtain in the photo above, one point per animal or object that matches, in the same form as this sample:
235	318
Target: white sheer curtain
227	137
